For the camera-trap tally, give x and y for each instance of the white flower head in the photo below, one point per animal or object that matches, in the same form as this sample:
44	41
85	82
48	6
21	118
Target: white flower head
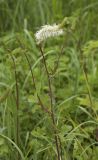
48	31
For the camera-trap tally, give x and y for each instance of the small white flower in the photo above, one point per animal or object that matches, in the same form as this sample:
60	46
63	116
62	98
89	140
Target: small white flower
48	31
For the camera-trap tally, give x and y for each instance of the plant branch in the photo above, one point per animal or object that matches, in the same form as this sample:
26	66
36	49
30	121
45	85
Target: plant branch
51	99
40	102
34	84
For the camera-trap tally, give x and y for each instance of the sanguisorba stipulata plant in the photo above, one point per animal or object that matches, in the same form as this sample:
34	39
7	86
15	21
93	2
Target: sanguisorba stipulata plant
46	32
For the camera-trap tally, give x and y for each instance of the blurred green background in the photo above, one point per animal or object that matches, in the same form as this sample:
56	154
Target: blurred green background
15	13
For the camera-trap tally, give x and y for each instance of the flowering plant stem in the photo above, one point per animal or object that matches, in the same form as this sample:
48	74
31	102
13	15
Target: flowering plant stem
52	111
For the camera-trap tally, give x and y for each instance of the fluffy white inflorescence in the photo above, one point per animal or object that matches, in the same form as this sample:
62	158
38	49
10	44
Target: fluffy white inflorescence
48	31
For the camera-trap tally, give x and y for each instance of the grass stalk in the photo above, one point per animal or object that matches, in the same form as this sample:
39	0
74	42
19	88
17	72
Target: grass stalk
88	89
17	105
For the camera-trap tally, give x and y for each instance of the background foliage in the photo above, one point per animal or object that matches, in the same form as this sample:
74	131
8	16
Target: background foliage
74	80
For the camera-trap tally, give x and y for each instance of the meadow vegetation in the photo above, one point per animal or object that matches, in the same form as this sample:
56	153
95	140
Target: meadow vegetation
48	93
